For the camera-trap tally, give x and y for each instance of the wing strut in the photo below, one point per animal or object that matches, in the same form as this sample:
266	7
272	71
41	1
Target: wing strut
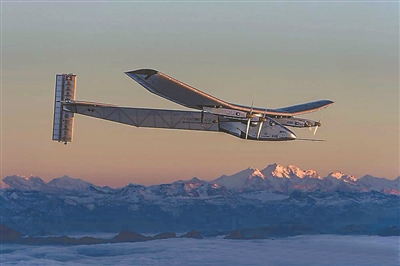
250	116
262	120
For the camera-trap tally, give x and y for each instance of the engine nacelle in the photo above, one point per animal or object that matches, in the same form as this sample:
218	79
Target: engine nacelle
270	130
226	112
297	122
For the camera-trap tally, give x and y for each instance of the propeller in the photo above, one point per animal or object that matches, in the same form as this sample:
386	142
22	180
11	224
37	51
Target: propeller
317	125
262	120
249	116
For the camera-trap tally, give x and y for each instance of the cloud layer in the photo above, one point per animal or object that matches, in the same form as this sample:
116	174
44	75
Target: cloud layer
300	250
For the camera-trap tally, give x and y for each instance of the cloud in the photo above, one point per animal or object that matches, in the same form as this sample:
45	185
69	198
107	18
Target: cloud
299	250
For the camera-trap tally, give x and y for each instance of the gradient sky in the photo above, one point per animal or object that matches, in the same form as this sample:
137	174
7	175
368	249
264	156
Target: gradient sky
284	53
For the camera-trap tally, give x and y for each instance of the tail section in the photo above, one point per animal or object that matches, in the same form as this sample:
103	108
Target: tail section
63	121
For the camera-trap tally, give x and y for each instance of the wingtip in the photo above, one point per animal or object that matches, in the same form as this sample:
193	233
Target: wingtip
327	103
146	72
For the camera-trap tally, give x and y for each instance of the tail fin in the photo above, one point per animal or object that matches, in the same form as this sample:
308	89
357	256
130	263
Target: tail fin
63	121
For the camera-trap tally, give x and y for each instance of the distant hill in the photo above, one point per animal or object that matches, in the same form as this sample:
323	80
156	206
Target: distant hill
10	236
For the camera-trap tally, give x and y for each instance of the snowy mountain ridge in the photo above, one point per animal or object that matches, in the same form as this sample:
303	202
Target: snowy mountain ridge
35	183
278	178
247	199
66	182
273	178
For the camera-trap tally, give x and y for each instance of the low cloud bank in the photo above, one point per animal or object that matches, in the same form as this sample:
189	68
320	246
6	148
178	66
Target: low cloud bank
299	250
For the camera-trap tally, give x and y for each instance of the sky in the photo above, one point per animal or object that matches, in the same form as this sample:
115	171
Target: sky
281	53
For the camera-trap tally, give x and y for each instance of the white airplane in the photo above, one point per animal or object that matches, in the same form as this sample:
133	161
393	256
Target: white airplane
246	122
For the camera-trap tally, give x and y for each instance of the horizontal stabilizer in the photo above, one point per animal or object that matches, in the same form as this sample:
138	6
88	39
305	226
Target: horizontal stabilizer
63	120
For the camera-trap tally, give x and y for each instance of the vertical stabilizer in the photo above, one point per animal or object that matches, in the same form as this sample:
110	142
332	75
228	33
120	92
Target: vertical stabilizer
63	121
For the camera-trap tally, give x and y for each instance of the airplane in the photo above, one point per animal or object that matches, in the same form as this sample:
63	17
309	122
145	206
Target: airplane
212	114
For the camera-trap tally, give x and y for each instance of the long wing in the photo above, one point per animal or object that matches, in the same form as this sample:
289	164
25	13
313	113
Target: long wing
183	94
304	108
140	117
174	90
172	119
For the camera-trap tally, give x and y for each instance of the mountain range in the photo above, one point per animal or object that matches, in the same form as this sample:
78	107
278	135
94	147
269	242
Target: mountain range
250	198
274	178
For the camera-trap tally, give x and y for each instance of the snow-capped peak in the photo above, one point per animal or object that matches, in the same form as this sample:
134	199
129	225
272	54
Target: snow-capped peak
337	175
32	178
293	170
341	176
279	171
237	181
312	174
69	183
275	170
25	183
256	173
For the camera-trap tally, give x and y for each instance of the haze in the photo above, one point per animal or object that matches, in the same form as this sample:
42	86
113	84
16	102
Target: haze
283	53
